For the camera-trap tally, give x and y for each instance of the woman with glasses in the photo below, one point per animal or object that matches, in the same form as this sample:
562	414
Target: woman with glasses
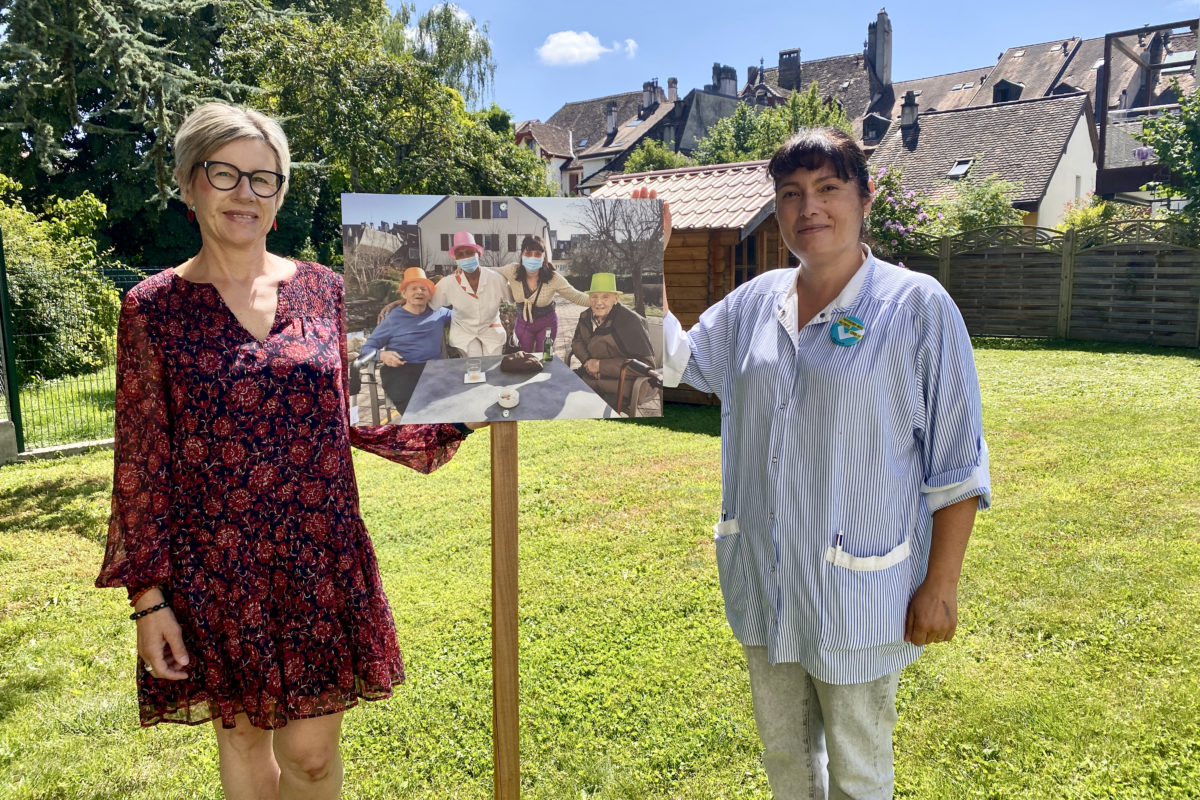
235	523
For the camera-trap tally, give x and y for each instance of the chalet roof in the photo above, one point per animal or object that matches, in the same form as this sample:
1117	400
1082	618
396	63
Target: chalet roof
1021	141
554	139
844	78
721	196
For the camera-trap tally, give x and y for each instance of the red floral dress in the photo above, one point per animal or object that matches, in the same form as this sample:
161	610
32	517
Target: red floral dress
234	491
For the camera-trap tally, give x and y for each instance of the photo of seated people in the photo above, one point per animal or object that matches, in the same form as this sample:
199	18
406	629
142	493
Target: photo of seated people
502	308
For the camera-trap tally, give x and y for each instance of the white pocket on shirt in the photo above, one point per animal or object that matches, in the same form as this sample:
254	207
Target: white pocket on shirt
731	564
870	596
839	557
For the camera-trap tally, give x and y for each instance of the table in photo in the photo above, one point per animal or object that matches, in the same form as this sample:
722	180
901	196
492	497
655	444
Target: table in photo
554	393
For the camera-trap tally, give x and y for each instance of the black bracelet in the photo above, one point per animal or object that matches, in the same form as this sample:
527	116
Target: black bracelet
139	614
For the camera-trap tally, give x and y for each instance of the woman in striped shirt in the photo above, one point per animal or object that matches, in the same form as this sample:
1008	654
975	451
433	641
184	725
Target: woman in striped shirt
853	462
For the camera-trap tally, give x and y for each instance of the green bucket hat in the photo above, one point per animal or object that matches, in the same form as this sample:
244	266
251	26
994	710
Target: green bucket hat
603	282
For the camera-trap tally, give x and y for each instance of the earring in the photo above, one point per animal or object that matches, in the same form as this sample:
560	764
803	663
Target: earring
191	214
275	224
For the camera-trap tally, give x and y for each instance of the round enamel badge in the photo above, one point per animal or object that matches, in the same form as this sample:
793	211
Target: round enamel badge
847	331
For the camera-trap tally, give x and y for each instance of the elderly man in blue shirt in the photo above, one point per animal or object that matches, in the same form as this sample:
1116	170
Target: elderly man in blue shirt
853	462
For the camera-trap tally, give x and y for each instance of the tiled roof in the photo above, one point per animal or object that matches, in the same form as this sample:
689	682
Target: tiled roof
586	117
629	130
1020	141
722	196
844	78
1036	67
553	139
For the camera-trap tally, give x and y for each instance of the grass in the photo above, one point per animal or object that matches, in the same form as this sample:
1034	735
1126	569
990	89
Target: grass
1074	673
69	410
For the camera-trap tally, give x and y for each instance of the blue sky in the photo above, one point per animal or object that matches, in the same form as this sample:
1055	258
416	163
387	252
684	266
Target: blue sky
550	53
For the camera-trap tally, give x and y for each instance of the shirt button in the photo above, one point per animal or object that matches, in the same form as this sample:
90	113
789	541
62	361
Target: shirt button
775	460
771	515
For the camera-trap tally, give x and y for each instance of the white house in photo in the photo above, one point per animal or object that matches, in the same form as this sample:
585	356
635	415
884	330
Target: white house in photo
497	223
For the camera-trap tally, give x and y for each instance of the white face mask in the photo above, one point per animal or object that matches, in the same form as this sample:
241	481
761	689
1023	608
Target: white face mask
468	264
532	264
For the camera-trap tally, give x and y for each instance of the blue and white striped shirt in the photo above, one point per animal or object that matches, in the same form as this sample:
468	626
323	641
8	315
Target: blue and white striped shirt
833	459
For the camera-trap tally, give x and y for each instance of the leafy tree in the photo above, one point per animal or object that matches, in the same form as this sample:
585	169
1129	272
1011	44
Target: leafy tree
64	310
802	110
652	154
730	139
450	41
751	133
360	119
977	204
1176	143
1093	210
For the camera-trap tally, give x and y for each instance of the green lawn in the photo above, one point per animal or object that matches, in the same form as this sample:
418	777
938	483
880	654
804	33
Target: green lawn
1075	674
69	410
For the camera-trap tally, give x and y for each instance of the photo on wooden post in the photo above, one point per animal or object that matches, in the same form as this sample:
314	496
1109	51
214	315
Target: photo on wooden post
472	308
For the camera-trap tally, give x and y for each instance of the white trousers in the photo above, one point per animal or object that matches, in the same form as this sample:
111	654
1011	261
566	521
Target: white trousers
822	740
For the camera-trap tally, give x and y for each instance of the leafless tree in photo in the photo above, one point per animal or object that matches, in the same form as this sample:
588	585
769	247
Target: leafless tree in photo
627	236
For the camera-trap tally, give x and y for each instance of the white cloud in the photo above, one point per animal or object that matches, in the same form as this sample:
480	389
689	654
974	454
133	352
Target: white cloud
579	47
571	47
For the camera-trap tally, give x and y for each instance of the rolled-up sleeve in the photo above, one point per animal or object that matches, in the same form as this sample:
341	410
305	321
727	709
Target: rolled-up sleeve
950	417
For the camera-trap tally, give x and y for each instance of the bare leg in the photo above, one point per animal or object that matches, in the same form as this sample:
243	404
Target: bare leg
248	768
310	762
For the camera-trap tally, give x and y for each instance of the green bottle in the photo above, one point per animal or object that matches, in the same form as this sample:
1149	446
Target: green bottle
547	347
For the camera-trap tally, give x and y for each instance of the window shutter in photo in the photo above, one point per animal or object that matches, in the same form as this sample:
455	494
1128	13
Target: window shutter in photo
445	241
512	243
474	209
487	210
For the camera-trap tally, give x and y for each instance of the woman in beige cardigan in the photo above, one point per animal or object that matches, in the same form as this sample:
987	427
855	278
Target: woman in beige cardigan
535	283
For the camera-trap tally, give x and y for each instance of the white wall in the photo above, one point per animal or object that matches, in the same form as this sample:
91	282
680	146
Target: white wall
443	220
1078	160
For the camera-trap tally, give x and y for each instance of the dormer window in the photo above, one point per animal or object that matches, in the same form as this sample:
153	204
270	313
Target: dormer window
960	169
1005	91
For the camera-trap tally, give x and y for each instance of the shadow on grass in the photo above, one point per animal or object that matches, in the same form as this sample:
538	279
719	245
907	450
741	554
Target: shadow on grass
55	505
1082	346
683	418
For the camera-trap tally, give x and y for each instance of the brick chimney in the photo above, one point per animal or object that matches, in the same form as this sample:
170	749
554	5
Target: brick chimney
789	69
649	97
610	118
672	90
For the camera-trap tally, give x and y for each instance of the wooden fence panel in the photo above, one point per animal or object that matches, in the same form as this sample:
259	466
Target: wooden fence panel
1146	292
1007	291
1123	282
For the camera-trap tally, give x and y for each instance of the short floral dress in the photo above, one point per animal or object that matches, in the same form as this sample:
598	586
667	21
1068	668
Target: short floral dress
234	491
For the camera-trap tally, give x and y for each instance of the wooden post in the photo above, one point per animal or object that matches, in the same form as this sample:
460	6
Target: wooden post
944	262
506	751
1066	284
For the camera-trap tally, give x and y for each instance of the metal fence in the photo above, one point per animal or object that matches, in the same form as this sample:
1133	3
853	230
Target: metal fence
57	377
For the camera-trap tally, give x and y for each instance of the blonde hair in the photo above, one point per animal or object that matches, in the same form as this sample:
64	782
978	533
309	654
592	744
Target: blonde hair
213	125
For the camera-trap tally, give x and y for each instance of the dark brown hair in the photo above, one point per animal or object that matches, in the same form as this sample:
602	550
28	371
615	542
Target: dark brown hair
813	148
531	242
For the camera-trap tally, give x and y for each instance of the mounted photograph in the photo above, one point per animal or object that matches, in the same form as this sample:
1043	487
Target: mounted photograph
472	308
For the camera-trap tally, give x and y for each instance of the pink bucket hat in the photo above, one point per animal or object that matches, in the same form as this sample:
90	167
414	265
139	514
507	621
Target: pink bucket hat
463	239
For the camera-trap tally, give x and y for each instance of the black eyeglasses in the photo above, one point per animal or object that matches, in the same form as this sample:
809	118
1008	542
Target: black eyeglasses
225	177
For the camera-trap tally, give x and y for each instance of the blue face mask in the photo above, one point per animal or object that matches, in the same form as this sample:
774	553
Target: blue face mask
532	264
468	264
